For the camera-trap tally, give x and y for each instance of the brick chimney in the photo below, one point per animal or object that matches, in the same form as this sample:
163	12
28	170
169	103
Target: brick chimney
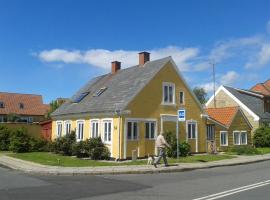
144	57
115	66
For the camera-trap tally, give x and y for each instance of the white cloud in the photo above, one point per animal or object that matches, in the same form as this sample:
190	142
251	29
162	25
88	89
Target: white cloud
261	58
208	87
102	57
229	78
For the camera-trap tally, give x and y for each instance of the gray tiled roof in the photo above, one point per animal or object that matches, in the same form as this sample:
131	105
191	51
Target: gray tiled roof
253	102
121	88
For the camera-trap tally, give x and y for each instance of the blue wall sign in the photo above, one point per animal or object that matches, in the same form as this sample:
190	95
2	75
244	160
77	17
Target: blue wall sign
182	115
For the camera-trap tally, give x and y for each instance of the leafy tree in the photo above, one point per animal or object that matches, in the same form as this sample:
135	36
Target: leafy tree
201	94
53	106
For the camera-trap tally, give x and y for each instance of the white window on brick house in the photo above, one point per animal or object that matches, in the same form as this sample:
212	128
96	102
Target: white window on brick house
107	131
150	128
67	127
168	93
59	126
239	137
181	97
132	130
191	128
223	138
94	128
80	129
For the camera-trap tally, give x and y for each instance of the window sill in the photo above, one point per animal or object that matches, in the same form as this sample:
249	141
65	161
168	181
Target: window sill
150	139
108	143
225	145
132	140
168	104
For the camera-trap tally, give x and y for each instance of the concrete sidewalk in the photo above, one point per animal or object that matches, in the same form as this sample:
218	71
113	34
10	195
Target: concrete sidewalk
34	168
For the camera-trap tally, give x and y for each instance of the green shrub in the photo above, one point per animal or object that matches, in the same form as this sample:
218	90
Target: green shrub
4	138
79	149
63	145
37	144
261	137
19	141
184	147
244	150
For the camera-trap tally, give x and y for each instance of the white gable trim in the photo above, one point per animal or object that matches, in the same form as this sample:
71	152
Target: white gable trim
185	83
243	106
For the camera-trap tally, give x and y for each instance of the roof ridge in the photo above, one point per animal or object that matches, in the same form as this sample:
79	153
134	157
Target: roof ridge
20	93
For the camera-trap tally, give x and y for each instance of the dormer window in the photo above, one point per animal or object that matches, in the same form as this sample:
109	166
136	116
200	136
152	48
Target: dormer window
100	91
21	105
2	105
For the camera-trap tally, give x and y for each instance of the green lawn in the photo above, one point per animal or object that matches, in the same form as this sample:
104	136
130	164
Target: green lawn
66	161
264	150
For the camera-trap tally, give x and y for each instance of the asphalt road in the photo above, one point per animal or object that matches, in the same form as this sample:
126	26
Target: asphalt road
242	182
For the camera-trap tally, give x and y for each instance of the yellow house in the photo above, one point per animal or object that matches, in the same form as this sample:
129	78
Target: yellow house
129	107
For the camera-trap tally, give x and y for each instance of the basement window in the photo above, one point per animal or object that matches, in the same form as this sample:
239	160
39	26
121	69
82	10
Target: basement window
100	91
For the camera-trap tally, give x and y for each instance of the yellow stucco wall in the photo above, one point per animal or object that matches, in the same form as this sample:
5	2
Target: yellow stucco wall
148	104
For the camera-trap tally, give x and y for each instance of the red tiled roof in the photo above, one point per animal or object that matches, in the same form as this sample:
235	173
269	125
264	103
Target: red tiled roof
262	88
32	104
223	115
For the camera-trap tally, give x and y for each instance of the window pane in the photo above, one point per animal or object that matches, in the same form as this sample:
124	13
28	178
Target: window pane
105	131
243	138
236	138
129	130
165	93
193	131
109	131
170	94
181	97
152	130
135	134
147	130
189	130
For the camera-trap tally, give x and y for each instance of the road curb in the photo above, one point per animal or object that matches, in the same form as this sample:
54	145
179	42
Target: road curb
34	168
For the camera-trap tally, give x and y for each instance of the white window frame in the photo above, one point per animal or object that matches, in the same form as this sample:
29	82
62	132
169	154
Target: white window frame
224	132
57	129
30	120
94	121
149	129
132	130
79	135
244	133
66	122
183	103
105	139
168	84
239	137
1	118
196	129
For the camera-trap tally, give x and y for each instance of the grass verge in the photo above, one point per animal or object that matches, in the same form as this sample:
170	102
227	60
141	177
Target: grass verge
46	158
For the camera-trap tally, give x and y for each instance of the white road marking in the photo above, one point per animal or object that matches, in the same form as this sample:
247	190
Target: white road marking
234	191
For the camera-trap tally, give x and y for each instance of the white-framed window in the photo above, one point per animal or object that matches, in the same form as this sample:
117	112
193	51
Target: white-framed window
239	137
191	129
59	127
150	129
67	127
243	137
223	138
181	97
1	118
168	93
132	130
210	132
94	128
80	129
107	131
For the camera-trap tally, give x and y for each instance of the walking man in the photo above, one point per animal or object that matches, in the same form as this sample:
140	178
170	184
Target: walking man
161	145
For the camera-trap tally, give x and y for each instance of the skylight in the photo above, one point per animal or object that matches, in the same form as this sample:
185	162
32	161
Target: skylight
80	97
100	91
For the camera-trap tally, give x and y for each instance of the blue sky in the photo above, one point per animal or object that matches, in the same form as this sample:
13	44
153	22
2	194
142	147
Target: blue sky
54	47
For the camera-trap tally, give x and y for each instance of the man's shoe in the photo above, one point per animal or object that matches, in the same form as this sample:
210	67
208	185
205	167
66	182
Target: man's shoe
155	165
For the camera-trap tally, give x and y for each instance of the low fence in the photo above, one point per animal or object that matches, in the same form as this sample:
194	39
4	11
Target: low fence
33	130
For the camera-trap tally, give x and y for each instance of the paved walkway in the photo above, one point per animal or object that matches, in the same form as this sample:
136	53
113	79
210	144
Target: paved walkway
34	168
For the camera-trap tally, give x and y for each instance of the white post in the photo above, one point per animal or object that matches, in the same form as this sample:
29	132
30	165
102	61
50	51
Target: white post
177	138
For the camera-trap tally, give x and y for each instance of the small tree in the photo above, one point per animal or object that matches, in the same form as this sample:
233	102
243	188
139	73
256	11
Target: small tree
4	138
261	137
200	94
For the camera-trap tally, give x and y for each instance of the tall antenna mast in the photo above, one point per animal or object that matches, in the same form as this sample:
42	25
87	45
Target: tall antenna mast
214	81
